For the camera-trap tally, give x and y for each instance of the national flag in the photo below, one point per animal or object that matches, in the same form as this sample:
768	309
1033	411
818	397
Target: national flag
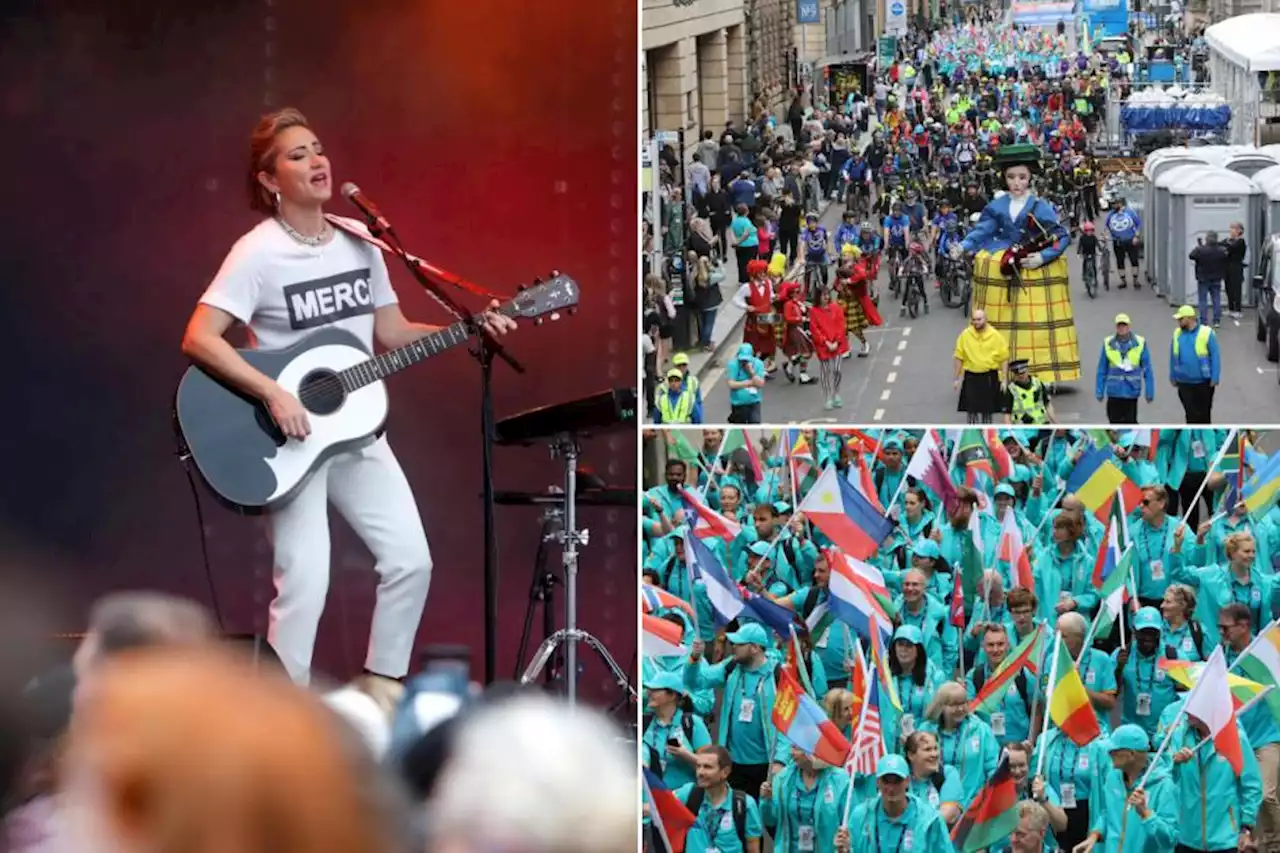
868	737
1069	705
802	721
722	591
853	599
1122	504
1108	556
1113	594
1001	461
928	466
678	446
1210	703
672	816
956	614
972	565
1260	490
880	663
1187	673
662	639
1261	663
865	483
705	522
770	614
857	680
737	438
845	516
1026	655
993	814
1095	478
654	598
973	457
1100	437
1013	552
1147	439
859	442
800	455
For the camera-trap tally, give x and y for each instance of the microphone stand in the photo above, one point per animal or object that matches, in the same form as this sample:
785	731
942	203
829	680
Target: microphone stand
485	350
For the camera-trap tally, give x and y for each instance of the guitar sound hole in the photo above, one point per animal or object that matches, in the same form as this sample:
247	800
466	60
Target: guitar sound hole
321	392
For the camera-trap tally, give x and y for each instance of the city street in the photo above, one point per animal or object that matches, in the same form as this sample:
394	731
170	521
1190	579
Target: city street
907	378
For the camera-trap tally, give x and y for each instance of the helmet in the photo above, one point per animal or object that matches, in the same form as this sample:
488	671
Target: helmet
916	248
868	227
1087	227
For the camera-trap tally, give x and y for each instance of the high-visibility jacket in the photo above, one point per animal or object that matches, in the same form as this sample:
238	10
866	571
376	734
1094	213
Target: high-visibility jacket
1203	333
678	410
1027	407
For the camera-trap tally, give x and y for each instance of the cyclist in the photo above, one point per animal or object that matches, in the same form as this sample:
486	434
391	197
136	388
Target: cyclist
1124	225
869	245
847	232
856	174
816	242
897	230
1087	249
915	269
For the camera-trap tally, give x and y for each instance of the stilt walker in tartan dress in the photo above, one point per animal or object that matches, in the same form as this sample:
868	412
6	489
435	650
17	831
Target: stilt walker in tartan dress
1033	311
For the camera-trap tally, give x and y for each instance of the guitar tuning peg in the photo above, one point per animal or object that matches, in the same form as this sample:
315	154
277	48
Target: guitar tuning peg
573	311
537	321
555	274
555	315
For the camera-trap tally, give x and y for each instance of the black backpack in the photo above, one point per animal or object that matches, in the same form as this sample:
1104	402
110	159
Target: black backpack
694	804
1197	637
1019	681
655	757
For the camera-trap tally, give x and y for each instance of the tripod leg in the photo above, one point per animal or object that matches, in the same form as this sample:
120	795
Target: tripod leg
539	592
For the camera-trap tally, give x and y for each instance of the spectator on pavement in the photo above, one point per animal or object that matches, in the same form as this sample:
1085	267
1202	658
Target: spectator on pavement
1195	365
1236	248
678	403
1210	258
1124	369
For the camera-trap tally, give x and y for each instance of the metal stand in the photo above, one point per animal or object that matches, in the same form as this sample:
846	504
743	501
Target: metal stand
542	591
570	539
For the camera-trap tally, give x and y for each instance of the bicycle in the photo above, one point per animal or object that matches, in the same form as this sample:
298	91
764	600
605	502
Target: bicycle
955	284
815	278
1090	273
895	270
915	294
1104	250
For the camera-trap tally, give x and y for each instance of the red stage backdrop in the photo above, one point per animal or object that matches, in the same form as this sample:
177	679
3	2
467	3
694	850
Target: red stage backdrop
497	136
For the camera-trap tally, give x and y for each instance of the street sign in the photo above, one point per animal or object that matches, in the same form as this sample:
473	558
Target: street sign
895	19
665	137
886	51
807	12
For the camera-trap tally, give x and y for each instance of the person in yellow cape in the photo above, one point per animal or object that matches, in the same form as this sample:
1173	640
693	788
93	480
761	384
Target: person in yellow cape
1033	313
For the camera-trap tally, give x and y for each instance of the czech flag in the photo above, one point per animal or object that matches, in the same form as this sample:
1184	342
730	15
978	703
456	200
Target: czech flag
672	817
802	721
845	516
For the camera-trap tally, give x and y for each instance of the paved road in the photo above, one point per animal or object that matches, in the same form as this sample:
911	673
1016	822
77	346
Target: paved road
907	377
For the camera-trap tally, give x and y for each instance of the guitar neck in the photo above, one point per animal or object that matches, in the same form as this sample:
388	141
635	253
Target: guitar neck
393	361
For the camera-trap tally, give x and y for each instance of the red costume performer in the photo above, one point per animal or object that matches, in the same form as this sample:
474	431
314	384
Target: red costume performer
759	298
827	325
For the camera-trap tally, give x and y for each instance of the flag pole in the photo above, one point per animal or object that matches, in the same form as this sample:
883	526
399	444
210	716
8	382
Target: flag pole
711	473
1262	694
1035	534
654	815
693	593
1168	736
857	745
1048	703
1088	637
1217	460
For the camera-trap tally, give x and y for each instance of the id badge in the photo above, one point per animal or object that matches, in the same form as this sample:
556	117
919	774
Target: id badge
1083	763
908	725
934	799
1144	704
806	838
1157	570
1255	594
726	822
1068	794
997	723
1188	644
747	711
1089	678
1197	449
908	840
823	640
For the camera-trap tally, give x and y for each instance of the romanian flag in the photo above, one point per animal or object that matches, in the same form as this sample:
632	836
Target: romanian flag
672	817
1095	478
847	518
1025	656
802	721
993	814
654	598
1069	706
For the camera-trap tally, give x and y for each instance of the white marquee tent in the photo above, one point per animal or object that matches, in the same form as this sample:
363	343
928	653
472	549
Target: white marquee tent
1241	49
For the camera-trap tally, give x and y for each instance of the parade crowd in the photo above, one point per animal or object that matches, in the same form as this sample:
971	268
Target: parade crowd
984	639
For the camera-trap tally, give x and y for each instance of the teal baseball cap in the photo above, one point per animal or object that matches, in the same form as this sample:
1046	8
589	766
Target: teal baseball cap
759	548
909	633
1129	736
892	765
1005	489
1148	618
752	633
667	681
927	548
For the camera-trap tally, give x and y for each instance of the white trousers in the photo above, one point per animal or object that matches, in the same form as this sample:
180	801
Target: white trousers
371	492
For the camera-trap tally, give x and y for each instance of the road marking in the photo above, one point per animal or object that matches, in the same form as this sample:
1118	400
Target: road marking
902	345
879	414
892	377
884	395
1262	371
897	361
906	331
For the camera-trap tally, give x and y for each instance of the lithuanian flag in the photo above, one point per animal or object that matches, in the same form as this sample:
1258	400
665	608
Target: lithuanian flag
1069	706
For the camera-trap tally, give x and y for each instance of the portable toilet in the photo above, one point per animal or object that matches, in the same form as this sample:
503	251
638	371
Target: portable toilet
1268	180
1204	199
1158	222
1157	163
1250	163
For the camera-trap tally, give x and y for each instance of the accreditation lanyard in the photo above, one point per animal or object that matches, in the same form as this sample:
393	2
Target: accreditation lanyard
902	833
1067	746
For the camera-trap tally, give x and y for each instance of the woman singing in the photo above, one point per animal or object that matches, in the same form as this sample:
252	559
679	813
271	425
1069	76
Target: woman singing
293	273
1033	313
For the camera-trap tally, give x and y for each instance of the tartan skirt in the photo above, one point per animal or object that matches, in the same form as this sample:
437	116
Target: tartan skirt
855	319
1036	318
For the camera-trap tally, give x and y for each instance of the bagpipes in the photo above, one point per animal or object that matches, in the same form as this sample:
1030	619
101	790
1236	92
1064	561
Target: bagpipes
1035	238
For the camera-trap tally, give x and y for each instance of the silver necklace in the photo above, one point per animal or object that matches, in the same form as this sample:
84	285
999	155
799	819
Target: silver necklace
318	240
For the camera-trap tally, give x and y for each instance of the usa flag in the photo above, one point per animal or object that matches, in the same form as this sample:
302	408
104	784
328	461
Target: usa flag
868	740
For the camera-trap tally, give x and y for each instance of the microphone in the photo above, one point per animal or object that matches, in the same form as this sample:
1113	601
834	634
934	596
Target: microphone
377	221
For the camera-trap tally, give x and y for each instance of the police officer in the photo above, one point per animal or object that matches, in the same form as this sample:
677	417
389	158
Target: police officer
1026	399
1124	369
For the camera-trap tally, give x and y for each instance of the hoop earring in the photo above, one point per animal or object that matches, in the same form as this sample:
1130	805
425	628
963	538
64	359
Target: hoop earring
277	195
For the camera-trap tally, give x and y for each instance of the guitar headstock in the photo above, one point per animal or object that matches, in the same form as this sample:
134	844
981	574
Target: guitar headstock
537	300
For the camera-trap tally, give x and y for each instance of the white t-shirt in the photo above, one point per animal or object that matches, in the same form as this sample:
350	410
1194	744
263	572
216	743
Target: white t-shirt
284	290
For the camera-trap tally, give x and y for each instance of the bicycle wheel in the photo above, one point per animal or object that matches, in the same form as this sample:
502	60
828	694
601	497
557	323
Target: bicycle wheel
913	297
1090	281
